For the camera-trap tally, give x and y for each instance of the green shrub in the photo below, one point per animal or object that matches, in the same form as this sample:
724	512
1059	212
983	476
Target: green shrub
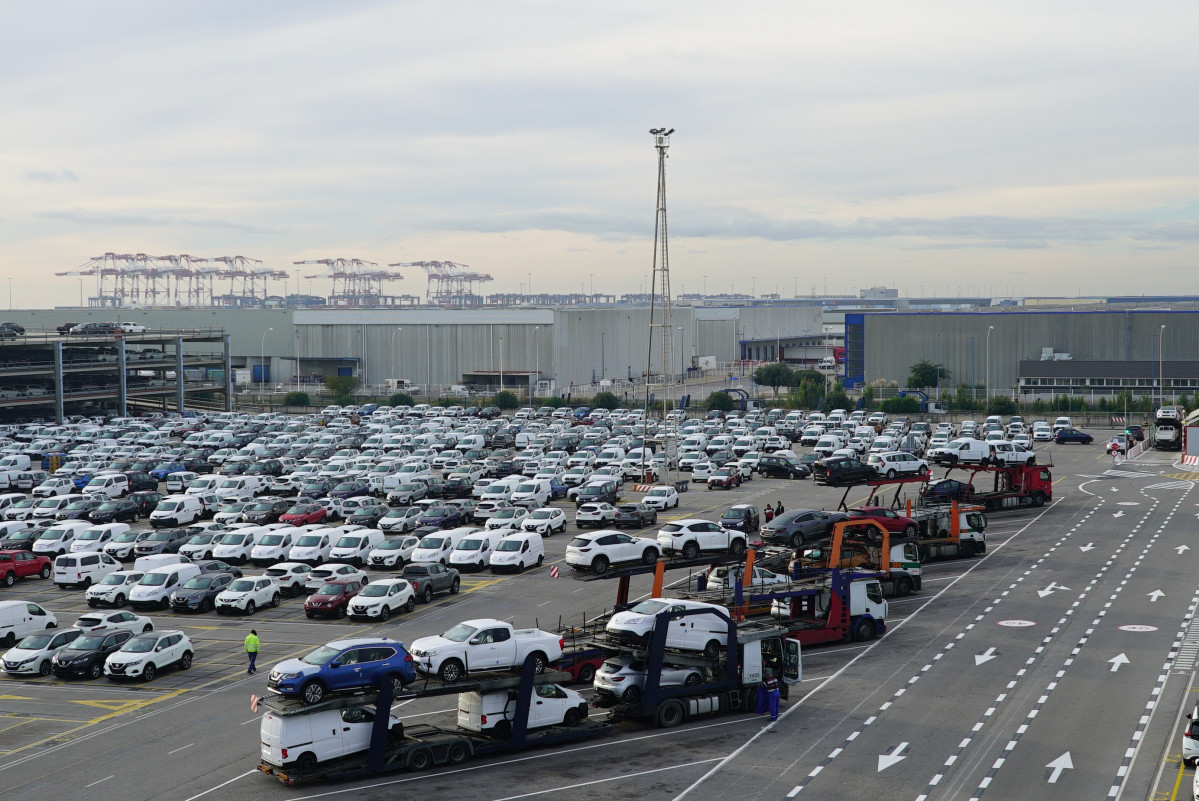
401	399
505	400
720	402
605	400
297	399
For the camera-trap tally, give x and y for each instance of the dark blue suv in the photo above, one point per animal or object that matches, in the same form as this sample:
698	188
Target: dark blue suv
344	666
1073	435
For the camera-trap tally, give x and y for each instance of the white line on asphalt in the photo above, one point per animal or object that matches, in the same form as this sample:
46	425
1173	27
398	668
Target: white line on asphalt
609	779
177	750
251	720
222	784
93	784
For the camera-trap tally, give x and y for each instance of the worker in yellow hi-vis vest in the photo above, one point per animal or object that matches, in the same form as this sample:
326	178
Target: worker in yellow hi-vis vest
252	644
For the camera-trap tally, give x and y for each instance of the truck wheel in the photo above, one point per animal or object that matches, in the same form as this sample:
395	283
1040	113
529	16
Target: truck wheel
586	673
9	640
863	630
457	753
427	596
690	550
571	718
313	692
451	670
502	730
670	714
1038	499
306	764
10	578
969	548
455	587
599	565
903	586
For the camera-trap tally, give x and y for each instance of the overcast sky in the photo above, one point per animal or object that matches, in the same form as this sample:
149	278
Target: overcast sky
1024	148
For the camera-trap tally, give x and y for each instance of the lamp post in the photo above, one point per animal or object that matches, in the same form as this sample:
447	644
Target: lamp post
603	356
989	330
428	360
262	353
682	369
393	344
537	362
501	364
1161	379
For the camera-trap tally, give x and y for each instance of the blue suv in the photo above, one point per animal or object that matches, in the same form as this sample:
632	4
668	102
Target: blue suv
344	665
1072	435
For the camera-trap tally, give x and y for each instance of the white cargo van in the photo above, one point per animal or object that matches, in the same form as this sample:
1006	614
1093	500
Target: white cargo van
177	510
517	551
437	545
83	569
474	551
493	712
236	546
205	484
57	539
110	485
94	538
154	589
354	546
18	619
180	480
700	632
533	493
305	741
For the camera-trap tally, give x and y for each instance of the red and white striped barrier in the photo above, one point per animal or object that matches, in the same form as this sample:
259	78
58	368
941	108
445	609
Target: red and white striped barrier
1190	460
643	487
553	571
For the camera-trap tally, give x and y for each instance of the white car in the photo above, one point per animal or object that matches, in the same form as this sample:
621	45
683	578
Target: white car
105	622
1041	432
690	537
661	498
113	589
380	600
596	551
401	519
896	463
393	552
701	471
319	575
624	677
54	486
508	517
32	655
247	595
474	551
313	547
289	577
545	521
595	514
235	546
144	655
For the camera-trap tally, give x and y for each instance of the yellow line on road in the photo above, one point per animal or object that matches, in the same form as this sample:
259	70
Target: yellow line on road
1177	781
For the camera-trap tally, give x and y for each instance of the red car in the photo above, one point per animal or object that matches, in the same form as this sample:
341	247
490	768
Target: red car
303	514
21	564
725	478
890	520
332	598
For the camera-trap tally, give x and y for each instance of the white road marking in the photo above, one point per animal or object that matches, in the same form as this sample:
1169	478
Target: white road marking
93	784
222	784
177	750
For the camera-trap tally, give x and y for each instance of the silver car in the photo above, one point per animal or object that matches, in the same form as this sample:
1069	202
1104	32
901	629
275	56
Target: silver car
624	677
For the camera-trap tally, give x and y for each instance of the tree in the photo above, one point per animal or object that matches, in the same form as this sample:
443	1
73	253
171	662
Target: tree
605	400
774	375
807	394
505	400
344	400
401	399
1001	404
341	385
837	399
868	397
720	402
925	374
904	405
800	376
297	399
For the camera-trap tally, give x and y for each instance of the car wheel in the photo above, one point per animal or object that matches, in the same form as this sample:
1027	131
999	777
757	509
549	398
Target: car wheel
737	547
410	604
11	578
251	607
712	649
312	692
457	585
44	668
692	680
164	604
149	673
341	612
384	613
119	600
310	615
599	565
450	671
95	671
923	471
185	663
891	473
649	556
571	717
631	696
147	628
690	550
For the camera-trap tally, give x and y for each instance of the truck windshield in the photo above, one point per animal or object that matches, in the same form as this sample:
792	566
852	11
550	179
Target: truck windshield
460	633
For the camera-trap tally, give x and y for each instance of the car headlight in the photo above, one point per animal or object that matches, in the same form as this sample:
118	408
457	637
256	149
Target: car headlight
432	653
26	661
287	676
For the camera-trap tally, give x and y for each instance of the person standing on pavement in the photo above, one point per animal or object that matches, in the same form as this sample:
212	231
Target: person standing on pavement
778	510
770	686
252	644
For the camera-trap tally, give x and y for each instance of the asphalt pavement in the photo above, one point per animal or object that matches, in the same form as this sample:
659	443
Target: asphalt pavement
1055	666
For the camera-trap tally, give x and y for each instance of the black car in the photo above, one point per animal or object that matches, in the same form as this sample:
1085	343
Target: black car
265	511
742	517
947	489
605	492
11	326
436	485
84	657
20	540
458	488
773	466
146	500
443	517
163	540
116	511
842	471
317	488
200	592
799	527
78	510
139	481
368	516
637	515
266	467
1135	432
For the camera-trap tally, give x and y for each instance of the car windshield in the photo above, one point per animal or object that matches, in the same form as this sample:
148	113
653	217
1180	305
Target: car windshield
271	539
160	536
110	507
321	655
51	534
658	493
349	542
113	579
233	539
542	514
373	591
153	579
126	536
331	589
649	607
242	585
469	545
460	633
198	583
36	642
509	545
733	514
140	645
309	542
88	642
432	542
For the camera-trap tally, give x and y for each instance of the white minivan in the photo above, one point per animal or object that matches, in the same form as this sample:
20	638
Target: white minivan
83	569
110	485
154	589
532	494
517	551
699	632
236	545
177	510
303	742
355	546
94	538
57	539
474	552
18	619
436	546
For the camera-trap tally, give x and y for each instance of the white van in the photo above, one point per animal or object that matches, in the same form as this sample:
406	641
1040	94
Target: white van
205	484
110	485
474	552
57	539
19	619
236	546
239	487
962	451
493	712
177	510
303	742
180	480
532	494
701	632
7	499
437	546
151	561
274	546
154	589
517	551
83	569
94	538
355	546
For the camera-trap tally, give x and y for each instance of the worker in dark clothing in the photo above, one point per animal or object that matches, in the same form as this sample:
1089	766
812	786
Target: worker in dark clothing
778	509
770	686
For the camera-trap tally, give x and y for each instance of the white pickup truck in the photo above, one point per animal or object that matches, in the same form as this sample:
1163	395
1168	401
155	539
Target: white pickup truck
483	645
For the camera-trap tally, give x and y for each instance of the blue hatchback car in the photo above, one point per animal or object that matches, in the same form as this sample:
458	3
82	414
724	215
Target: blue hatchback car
344	666
1072	435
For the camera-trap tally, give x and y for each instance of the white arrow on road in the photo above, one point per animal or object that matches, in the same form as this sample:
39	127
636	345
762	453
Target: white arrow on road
1182	549
1050	589
1117	660
1058	765
887	760
1087	547
985	656
1153	596
1119	513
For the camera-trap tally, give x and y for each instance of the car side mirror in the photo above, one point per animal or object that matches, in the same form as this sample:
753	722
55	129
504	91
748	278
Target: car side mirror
334	664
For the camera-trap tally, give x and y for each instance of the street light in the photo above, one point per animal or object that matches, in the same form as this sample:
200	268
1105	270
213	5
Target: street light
262	353
682	370
501	364
1161	379
537	372
989	330
393	344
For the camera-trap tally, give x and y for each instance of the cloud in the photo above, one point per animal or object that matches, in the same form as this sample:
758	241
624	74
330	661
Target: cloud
48	177
83	216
